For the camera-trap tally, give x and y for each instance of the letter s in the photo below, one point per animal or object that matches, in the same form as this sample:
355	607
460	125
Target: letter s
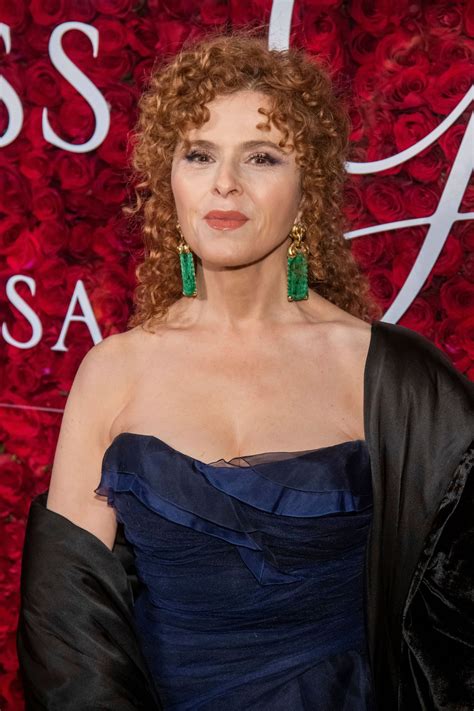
83	85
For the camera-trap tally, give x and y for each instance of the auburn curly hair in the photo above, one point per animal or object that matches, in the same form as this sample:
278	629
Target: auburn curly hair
303	102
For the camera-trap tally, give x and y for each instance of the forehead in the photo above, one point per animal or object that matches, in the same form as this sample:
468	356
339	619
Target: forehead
235	118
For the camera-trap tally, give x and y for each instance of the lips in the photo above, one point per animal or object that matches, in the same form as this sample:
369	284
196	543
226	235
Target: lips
225	220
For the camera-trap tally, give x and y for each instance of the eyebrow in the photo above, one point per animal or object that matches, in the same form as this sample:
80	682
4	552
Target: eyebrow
246	144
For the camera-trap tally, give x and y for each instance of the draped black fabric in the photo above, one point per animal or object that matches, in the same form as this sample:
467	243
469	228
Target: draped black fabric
75	639
419	427
77	645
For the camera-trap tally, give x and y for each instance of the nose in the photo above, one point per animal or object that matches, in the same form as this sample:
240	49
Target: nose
226	180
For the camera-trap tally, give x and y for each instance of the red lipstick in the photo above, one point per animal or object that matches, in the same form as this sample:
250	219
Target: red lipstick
225	219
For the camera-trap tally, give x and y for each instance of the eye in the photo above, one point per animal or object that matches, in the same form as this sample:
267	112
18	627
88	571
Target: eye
266	157
193	154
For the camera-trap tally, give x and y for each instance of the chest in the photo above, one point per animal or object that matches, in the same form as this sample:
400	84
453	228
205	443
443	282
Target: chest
225	400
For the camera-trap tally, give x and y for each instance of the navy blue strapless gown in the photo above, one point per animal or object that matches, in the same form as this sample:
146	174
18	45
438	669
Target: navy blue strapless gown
253	572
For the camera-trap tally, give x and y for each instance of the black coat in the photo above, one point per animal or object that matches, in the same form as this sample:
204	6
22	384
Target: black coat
76	642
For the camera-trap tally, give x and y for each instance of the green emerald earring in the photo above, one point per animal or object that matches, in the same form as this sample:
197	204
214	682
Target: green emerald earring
186	261
297	272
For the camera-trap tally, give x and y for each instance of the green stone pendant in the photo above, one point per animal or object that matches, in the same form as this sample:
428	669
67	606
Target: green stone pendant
188	275
297	277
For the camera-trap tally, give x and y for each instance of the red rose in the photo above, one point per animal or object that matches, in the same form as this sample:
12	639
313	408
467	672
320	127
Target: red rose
109	186
11	485
83	11
465	231
110	299
112	239
75	121
35	164
448	49
26	254
446	91
467	267
364	82
36	37
385	200
383	145
121	98
11	228
173	33
400	49
112	33
321	31
20	424
213	13
47	204
421	200
457	297
373	17
427	165
41	83
142	33
109	67
444	15
80	240
113	149
406	89
50	237
73	170
419	317
354	207
373	249
450	141
362	45
14	192
117	8
381	286
53	297
469	18
13	14
450	258
11	541
49	12
410	128
466	336
79	203
447	337
408	244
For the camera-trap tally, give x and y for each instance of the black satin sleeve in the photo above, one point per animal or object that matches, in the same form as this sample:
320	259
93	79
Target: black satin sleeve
76	642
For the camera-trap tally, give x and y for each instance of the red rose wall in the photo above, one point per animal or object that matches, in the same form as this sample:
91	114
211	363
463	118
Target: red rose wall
67	258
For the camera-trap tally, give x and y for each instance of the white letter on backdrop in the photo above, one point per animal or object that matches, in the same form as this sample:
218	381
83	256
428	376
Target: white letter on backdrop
25	309
83	85
88	317
10	98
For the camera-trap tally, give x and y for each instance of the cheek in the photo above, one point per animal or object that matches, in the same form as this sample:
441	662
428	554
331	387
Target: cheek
276	199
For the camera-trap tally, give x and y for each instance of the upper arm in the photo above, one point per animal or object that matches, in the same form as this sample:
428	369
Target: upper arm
96	396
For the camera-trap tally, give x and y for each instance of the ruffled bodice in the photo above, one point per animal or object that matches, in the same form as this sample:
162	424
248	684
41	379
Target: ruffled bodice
253	573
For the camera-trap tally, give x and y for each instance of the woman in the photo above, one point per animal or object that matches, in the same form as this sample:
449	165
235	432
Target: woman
278	473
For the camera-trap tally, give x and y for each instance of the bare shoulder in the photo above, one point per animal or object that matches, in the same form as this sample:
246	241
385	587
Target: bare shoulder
97	393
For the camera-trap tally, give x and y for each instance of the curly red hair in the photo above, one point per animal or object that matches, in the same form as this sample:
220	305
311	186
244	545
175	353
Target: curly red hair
303	103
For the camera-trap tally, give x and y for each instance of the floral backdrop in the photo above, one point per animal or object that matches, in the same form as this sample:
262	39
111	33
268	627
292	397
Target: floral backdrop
67	258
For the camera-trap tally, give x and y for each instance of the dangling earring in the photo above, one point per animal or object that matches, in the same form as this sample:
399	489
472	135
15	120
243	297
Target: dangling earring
297	272
186	261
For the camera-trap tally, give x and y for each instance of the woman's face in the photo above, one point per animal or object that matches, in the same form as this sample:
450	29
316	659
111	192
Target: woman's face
232	165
